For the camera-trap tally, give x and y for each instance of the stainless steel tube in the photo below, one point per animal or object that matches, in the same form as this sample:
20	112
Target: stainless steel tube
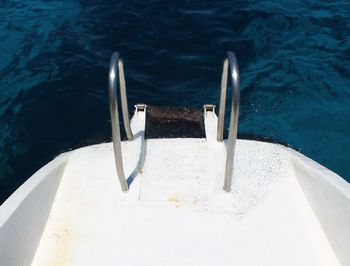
222	106
124	101
113	106
232	137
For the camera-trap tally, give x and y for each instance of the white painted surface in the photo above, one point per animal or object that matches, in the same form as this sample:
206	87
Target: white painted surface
177	214
24	215
181	217
329	196
210	123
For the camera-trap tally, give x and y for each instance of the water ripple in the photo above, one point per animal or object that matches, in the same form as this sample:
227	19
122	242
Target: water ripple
294	60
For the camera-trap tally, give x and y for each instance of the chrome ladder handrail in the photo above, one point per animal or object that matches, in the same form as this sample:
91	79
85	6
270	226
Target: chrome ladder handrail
116	73
231	61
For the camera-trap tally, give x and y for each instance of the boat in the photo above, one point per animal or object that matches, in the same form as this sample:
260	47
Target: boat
176	192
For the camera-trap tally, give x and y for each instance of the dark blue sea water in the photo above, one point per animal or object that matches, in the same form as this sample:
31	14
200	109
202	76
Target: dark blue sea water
294	59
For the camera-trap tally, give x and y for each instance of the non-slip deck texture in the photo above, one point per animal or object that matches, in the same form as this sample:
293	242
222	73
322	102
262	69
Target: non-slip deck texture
174	122
176	213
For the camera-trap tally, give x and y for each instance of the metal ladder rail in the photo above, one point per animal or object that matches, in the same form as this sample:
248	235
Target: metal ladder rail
116	73
231	61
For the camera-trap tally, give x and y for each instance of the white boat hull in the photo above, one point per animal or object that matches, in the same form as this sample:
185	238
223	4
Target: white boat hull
284	208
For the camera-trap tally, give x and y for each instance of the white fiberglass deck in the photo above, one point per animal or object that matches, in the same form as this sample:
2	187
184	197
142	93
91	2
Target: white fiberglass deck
181	217
176	212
